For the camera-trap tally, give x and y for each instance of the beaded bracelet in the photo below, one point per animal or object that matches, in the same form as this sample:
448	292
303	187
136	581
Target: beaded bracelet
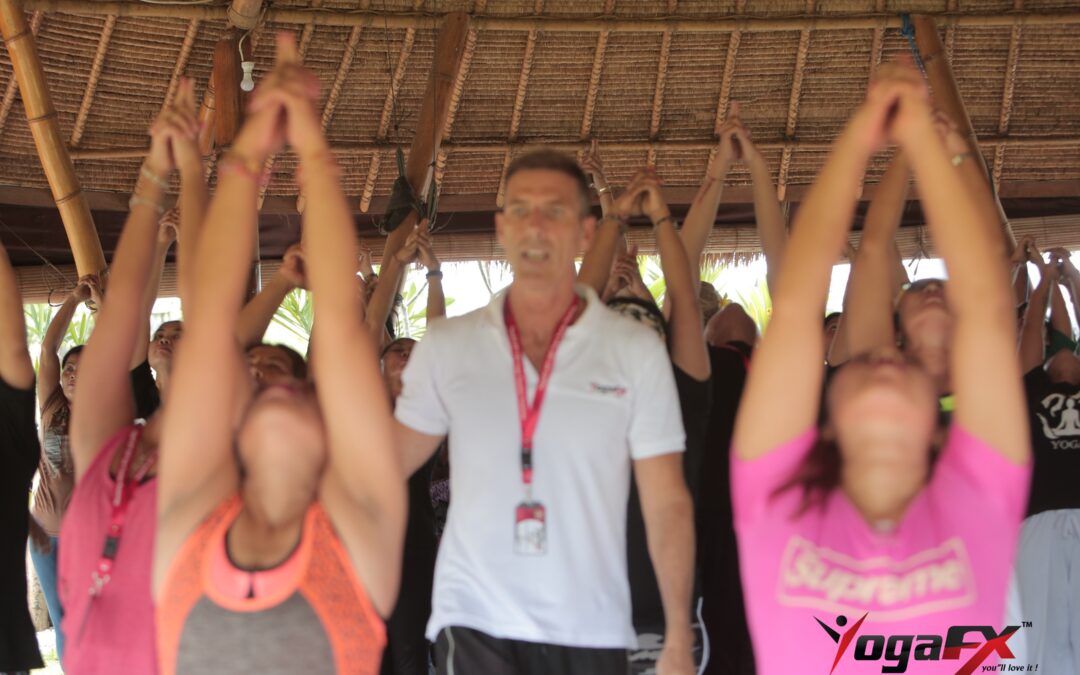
623	224
434	273
136	200
235	163
667	218
149	175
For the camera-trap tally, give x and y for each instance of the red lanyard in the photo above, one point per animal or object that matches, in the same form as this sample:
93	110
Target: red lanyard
530	414
125	491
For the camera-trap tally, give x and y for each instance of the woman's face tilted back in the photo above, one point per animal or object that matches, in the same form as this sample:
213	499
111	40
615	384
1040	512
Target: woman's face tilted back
876	399
281	441
69	374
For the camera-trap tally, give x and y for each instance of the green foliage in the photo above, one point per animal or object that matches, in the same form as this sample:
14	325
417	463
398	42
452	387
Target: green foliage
732	285
411	321
78	332
296	314
38	316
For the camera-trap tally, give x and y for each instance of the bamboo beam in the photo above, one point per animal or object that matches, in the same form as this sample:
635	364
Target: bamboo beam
594	76
449	49
878	43
344	66
658	91
724	98
458	91
1007	98
181	60
519	101
387	113
12	87
492	147
244	14
207	113
942	82
41	116
793	105
556	24
950	31
92	81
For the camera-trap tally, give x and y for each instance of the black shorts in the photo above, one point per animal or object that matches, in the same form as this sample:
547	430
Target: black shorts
464	651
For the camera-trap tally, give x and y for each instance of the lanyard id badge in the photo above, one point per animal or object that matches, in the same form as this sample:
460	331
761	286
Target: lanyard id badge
530	516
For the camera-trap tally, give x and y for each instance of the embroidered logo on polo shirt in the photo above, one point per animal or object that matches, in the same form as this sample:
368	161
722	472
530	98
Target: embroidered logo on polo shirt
933	580
609	389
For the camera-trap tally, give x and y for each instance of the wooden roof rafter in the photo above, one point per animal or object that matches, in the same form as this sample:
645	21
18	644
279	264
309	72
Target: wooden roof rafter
13	85
1007	98
92	81
182	58
661	81
348	52
793	105
594	76
950	30
519	101
558	24
388	111
457	91
724	98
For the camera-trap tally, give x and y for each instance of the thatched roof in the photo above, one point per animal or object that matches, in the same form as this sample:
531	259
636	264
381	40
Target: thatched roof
652	89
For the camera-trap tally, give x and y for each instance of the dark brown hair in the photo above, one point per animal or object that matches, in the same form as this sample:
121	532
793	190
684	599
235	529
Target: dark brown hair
553	160
56	409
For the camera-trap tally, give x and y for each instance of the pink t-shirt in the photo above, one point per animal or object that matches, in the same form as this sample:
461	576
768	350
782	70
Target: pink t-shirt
115	632
946	564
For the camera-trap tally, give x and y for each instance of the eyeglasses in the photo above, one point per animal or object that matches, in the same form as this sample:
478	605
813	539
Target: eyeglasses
921	285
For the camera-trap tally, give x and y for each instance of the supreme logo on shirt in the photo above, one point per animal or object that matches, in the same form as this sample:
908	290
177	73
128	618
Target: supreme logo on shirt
933	580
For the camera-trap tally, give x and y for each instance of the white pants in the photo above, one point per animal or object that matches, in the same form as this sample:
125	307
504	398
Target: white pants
1045	591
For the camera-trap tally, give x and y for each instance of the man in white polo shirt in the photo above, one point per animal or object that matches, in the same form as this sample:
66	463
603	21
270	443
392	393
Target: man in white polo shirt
549	400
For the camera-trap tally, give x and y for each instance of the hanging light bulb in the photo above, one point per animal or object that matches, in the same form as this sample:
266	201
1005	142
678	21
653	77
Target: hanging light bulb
248	83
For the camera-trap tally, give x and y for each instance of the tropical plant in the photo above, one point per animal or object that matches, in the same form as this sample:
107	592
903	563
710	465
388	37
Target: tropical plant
296	314
411	320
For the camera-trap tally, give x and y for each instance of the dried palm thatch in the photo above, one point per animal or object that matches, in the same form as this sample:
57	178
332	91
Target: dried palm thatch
651	80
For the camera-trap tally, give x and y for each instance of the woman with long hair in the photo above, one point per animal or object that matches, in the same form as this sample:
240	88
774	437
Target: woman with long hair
876	522
280	515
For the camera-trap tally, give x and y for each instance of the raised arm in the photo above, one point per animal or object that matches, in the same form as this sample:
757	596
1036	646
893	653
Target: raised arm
103	402
787	372
1033	331
989	401
391	274
193	198
197	468
1069	275
767	214
15	366
436	299
868	303
364	488
594	166
165	238
702	214
257	314
48	380
684	323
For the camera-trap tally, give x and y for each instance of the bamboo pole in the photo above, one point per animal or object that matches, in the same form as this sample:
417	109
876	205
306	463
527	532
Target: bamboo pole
431	121
608	146
41	116
556	24
947	97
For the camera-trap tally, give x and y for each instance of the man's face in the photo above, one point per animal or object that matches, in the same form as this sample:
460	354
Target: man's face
542	226
269	365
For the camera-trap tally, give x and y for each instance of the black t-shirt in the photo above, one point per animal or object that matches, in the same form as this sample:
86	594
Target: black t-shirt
1054	411
731	651
21	453
648	610
143	387
406	647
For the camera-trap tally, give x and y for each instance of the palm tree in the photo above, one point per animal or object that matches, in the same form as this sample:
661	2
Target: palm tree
296	314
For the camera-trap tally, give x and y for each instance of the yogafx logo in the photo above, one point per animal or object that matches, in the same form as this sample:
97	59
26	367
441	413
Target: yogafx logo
898	650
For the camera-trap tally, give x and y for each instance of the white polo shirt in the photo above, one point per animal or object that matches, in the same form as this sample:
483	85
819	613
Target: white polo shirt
611	399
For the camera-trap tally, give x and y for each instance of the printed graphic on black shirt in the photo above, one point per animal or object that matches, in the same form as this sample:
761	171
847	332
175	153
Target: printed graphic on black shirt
1060	418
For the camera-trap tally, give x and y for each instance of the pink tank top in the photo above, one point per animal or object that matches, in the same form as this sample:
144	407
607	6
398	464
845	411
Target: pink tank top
114	631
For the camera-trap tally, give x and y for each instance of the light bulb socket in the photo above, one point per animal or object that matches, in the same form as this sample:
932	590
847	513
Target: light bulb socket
248	83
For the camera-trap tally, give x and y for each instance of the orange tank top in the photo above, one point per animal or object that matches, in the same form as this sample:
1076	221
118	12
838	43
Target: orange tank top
310	614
